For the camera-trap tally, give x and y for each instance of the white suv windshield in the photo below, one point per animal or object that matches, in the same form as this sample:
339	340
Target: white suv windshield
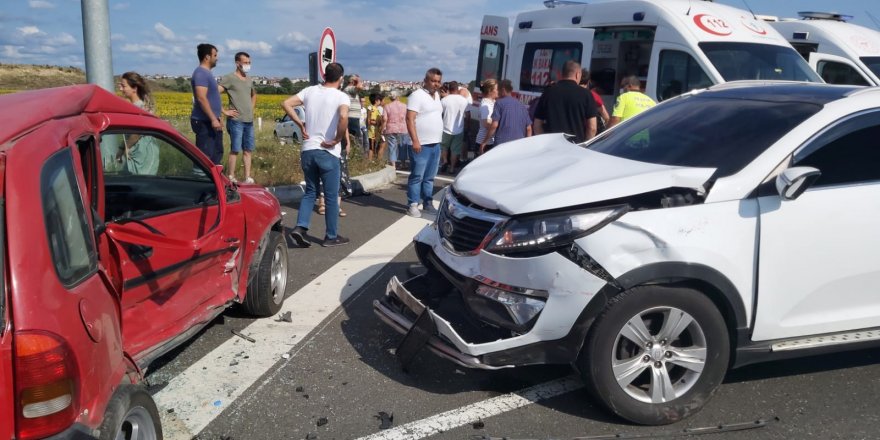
744	61
705	131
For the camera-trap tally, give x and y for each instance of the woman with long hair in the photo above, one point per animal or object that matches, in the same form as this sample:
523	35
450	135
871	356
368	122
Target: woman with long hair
138	154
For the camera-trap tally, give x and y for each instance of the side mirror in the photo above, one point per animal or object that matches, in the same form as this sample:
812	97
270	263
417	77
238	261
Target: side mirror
791	183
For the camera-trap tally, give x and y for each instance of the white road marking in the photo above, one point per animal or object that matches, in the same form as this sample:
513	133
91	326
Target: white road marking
477	411
209	386
438	177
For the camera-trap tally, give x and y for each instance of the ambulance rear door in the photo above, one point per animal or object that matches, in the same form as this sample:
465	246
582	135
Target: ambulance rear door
494	41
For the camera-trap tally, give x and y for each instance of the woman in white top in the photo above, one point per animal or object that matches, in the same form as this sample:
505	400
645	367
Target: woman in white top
490	93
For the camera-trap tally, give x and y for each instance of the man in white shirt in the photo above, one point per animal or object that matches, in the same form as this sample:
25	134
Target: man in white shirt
454	108
326	116
424	122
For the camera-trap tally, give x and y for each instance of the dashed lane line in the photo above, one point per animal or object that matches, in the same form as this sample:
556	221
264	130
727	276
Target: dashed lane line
210	385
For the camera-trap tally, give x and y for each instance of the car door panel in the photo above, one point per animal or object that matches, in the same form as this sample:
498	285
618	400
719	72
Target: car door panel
171	237
818	271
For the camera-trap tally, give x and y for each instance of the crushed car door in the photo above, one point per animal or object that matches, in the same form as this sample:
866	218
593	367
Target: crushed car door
173	238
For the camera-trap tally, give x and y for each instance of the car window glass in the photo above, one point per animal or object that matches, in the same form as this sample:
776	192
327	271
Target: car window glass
848	153
145	174
839	73
67	227
738	61
710	132
491	60
679	73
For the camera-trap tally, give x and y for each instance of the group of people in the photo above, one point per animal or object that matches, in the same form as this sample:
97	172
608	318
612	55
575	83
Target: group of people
208	110
429	130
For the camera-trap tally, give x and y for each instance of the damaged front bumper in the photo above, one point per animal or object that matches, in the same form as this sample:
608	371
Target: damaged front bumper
472	326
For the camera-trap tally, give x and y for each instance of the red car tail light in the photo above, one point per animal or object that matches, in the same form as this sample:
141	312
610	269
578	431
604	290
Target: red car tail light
45	385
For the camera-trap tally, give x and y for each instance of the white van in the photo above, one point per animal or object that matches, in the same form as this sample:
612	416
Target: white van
673	46
841	52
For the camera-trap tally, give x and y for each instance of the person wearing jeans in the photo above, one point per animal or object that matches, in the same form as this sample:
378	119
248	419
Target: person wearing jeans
326	116
424	122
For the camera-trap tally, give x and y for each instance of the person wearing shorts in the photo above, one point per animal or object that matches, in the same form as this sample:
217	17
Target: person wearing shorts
243	99
454	107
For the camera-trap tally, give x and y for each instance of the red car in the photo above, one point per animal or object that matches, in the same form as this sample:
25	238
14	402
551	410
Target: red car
119	240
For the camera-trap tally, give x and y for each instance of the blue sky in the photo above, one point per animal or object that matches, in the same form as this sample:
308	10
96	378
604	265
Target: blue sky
393	39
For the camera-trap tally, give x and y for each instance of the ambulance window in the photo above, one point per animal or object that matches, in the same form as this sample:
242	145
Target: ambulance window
839	73
873	63
542	63
679	73
745	61
491	61
805	49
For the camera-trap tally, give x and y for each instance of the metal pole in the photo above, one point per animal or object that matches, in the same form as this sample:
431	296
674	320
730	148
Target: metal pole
96	40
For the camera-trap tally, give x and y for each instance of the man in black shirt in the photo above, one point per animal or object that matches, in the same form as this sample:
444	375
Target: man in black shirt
566	107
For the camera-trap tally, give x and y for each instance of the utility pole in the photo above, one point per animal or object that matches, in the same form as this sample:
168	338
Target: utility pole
96	42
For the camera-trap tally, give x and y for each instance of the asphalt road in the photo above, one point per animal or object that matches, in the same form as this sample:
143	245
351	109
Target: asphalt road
337	377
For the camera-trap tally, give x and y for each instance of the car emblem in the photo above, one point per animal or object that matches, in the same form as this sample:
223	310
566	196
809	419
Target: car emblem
447	227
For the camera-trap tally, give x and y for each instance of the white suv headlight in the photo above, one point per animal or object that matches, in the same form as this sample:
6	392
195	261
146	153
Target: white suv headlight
552	230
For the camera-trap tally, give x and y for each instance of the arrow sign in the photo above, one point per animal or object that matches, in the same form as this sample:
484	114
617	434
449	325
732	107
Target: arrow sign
326	50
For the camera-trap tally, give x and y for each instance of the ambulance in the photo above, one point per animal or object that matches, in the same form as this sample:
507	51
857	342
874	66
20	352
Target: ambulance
673	46
841	52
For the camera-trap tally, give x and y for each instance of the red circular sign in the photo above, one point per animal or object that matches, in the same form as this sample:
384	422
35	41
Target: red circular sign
326	50
712	24
753	26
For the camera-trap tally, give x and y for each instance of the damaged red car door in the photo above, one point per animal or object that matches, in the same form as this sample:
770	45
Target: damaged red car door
171	241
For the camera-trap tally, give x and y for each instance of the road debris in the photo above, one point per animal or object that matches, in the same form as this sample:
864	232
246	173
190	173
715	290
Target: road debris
242	336
479	424
386	421
285	356
311	436
686	432
284	317
322	421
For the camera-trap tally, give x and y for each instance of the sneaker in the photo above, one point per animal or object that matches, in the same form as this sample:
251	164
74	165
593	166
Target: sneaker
298	234
413	210
232	179
429	208
249	180
338	241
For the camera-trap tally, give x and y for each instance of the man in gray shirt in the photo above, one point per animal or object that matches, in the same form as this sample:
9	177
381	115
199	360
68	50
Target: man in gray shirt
242	98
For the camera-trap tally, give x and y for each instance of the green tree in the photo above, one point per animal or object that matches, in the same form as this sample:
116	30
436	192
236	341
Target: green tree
286	86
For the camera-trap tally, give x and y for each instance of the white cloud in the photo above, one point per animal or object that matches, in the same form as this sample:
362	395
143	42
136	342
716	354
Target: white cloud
120	6
40	4
63	39
164	32
117	37
30	30
144	48
11	52
258	47
296	42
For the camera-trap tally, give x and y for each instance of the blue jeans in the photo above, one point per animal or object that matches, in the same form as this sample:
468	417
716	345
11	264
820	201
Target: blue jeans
208	140
359	132
398	145
420	187
241	135
319	166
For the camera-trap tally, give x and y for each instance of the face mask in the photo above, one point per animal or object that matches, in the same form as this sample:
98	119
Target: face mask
245	68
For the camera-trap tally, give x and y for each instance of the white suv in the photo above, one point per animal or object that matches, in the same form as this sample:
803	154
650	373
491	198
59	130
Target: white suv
725	227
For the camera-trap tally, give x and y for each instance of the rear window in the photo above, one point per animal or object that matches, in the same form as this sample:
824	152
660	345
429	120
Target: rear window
710	132
542	63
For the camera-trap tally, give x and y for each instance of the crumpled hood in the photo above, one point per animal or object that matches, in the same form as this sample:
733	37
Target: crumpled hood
548	172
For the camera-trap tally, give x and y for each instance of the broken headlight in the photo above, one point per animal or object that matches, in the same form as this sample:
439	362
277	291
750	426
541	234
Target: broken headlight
551	231
522	305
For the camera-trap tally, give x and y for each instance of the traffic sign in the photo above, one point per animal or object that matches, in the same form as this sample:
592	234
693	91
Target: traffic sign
326	50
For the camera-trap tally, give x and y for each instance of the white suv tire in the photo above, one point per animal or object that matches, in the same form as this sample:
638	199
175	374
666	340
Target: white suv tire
680	358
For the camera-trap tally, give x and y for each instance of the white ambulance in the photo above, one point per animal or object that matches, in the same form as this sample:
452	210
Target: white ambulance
841	52
673	46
